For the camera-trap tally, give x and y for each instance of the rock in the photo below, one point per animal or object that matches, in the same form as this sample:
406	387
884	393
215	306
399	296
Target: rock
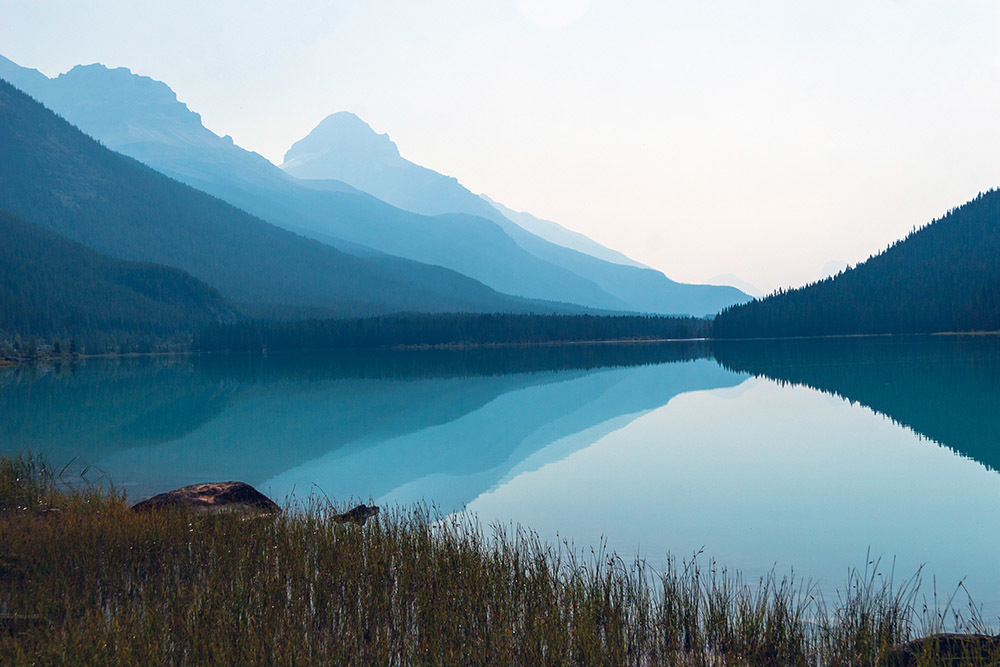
358	515
948	649
212	497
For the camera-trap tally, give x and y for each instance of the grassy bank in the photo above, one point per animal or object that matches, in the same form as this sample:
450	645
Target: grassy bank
86	580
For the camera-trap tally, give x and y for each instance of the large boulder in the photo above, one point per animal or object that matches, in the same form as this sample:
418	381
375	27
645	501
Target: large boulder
212	497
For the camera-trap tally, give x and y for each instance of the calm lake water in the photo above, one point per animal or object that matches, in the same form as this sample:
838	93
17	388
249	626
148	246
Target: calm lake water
798	455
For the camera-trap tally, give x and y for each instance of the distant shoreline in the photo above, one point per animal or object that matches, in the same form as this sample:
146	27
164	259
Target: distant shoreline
551	343
14	362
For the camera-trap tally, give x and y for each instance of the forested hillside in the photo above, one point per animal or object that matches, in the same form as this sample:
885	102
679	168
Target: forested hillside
53	288
942	277
56	176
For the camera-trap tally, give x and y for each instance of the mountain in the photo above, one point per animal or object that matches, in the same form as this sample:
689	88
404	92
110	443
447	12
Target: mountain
737	282
55	175
142	118
344	147
29	80
57	288
942	277
555	233
832	268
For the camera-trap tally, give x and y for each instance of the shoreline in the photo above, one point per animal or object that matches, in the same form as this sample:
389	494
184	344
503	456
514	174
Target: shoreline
164	575
9	361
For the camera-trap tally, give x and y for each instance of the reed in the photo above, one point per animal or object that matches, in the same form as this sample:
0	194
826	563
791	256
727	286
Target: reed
86	580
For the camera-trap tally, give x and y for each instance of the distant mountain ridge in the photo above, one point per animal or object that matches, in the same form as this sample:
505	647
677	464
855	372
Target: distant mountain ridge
58	177
943	277
346	148
737	282
142	118
124	111
556	233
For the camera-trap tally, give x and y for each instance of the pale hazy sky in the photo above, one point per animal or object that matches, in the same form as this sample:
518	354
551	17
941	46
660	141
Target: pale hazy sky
761	138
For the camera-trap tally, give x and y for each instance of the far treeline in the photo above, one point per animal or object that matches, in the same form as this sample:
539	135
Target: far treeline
428	330
944	277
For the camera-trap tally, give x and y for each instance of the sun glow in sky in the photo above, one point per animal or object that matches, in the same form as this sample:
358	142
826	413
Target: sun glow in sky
761	139
553	13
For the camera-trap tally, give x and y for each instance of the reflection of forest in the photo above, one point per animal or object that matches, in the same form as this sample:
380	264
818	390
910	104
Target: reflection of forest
82	412
946	388
87	412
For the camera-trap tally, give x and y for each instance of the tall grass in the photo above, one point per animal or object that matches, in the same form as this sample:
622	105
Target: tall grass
97	583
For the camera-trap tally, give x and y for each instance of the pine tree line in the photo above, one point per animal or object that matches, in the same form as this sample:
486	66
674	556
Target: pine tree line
944	276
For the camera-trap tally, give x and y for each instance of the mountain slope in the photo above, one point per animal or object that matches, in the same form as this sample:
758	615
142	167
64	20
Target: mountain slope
30	81
942	277
344	147
143	119
553	232
54	287
59	177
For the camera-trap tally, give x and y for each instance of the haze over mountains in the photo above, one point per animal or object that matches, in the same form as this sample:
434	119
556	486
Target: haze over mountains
433	246
556	233
59	178
344	147
142	118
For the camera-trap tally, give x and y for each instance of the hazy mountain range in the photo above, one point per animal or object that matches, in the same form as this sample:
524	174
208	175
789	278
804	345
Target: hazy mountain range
384	235
56	177
345	148
429	218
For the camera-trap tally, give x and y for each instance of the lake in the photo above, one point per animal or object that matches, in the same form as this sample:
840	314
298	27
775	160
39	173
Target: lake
806	456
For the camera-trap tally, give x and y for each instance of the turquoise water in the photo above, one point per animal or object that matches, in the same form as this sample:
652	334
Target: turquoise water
807	455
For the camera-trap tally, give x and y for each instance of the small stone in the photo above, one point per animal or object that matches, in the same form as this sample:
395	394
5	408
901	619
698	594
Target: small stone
358	515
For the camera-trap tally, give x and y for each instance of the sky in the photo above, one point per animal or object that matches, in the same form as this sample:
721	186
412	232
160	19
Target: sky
763	139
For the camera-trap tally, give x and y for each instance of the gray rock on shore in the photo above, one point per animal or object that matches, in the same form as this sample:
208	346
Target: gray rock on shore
212	497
